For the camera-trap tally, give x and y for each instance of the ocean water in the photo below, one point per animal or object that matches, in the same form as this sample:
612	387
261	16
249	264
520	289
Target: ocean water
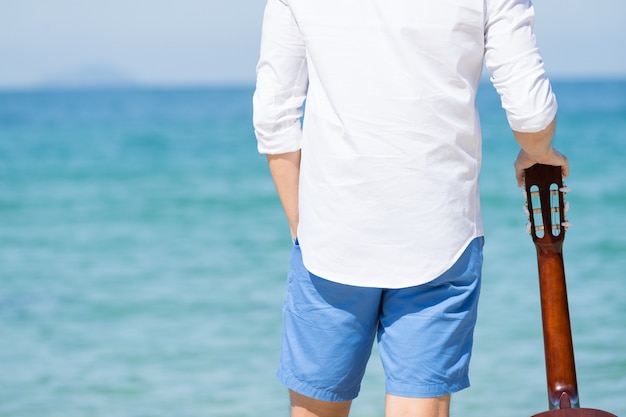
143	254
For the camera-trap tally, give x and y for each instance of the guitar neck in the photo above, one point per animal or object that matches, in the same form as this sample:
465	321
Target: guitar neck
557	335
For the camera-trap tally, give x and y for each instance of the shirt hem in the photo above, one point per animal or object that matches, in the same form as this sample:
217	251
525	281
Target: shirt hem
383	283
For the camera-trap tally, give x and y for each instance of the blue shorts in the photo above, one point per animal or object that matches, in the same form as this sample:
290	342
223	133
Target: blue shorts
425	332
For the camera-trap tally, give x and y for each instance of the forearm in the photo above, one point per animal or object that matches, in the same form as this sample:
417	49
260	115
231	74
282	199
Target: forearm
537	148
537	145
285	171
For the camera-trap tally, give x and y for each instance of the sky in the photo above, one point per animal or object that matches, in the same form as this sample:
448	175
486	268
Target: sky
215	42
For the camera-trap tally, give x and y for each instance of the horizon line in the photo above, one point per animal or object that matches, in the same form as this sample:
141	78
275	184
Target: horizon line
129	86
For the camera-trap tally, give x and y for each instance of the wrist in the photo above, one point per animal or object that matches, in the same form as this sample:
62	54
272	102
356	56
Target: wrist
539	156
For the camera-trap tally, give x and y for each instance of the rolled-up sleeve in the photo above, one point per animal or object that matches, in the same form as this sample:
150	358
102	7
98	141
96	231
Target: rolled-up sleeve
282	80
517	69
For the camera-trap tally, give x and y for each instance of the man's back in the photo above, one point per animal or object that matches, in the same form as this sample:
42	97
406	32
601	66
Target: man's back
391	143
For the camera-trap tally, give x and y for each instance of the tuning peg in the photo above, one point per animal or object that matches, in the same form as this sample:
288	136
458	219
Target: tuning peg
565	189
528	227
526	211
566	224
566	206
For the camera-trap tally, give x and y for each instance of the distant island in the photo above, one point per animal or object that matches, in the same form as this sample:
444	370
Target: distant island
89	77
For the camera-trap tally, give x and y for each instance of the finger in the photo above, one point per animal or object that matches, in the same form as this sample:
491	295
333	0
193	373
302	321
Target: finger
519	174
566	167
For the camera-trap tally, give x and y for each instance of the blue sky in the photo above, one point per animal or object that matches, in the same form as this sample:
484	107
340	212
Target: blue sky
197	42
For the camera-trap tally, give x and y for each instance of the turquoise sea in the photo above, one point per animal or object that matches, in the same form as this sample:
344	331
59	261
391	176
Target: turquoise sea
143	255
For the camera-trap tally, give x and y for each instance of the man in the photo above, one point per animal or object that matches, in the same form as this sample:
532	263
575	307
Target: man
380	184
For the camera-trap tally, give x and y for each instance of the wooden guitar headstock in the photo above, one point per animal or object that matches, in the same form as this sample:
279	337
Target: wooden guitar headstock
546	206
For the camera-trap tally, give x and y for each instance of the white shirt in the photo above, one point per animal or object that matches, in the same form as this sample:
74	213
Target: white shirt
391	141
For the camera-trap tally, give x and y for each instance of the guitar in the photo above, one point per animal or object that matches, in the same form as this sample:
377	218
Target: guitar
547	226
